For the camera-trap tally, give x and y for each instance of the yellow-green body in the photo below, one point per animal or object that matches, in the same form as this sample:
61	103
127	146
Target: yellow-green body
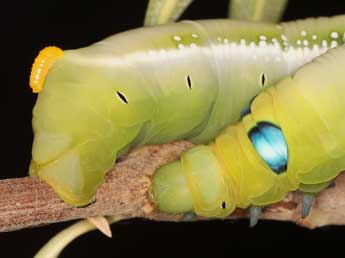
187	80
309	109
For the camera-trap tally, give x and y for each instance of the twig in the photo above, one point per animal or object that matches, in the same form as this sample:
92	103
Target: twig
28	202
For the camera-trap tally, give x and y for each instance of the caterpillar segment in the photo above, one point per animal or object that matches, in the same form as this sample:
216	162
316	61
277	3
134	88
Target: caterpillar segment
152	85
291	137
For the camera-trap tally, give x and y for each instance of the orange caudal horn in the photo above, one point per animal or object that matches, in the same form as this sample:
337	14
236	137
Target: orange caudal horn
40	68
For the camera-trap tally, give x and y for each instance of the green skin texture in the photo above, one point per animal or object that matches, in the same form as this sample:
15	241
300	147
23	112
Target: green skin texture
171	192
81	124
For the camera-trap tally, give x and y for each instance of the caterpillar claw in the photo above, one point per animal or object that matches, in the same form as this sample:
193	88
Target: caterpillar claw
307	202
255	213
189	216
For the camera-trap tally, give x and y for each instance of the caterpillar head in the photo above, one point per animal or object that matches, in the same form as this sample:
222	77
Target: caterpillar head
85	114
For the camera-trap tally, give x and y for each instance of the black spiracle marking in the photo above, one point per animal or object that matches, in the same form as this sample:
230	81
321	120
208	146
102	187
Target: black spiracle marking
263	80
223	205
122	97
189	82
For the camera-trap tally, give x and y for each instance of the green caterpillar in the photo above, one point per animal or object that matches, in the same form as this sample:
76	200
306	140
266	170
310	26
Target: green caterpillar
292	137
187	80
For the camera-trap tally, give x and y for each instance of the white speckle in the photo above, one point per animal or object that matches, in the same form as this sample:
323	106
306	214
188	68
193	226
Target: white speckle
303	33
262	44
299	42
334	44
324	43
180	46
242	41
334	35
314	37
263	37
226	41
233	45
252	44
177	38
284	37
279	27
151	53
276	44
193	45
316	48
195	35
274	40
285	43
306	51
305	42
219	38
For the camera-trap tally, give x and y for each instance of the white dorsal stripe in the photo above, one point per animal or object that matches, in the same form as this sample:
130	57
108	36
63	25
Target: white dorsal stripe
292	56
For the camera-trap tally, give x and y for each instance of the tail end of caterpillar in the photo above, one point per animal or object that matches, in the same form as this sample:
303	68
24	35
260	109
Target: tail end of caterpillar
41	66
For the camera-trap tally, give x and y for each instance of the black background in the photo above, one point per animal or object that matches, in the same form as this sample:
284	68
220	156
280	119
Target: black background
27	27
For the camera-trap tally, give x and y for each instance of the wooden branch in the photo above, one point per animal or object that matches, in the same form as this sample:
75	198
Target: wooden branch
28	202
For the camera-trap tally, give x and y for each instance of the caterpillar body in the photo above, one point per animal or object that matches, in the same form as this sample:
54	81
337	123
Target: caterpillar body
187	80
291	137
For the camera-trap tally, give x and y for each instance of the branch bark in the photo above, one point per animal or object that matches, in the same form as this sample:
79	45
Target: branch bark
28	202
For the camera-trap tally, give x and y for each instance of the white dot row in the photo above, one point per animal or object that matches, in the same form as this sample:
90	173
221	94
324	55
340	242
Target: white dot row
178	38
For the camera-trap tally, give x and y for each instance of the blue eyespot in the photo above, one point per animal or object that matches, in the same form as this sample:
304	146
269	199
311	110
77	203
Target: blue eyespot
269	142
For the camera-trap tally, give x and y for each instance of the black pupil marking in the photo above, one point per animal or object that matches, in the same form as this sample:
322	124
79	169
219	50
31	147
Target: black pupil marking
189	82
122	97
223	205
263	79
